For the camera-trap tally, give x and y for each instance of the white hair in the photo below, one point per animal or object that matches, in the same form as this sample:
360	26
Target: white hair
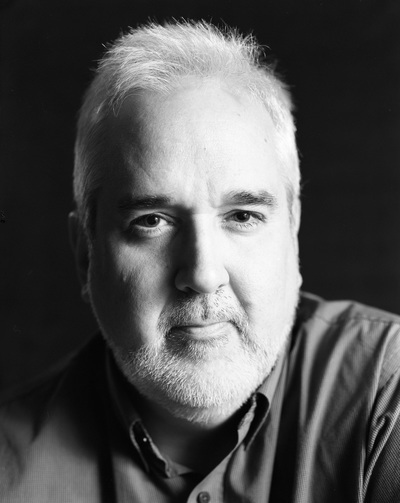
156	58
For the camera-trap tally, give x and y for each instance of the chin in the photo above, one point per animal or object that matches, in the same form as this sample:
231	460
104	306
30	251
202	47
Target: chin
200	391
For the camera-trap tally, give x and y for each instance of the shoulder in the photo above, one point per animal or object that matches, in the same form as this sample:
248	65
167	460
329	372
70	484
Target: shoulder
39	392
349	331
337	311
345	375
49	419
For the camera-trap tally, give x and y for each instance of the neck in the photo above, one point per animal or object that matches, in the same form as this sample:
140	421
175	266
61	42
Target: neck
197	445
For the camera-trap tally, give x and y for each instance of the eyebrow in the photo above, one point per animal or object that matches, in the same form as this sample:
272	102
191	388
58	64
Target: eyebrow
244	198
129	203
241	198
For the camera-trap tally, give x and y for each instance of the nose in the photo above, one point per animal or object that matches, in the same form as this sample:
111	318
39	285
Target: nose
201	268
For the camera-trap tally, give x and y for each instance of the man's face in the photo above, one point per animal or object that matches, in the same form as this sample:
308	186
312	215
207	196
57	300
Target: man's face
193	272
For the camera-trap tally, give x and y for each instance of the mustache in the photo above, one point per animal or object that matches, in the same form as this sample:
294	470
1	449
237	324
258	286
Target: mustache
211	308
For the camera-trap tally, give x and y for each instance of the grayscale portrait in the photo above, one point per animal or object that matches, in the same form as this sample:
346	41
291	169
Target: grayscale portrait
200	291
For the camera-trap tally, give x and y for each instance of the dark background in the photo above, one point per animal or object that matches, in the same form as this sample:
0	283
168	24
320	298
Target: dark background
342	60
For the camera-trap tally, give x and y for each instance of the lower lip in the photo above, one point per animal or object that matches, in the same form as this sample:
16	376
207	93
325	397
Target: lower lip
204	332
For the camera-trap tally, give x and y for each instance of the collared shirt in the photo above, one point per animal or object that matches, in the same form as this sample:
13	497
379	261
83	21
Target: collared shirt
170	482
325	426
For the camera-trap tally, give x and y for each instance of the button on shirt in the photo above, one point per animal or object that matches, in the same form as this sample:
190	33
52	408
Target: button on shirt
204	497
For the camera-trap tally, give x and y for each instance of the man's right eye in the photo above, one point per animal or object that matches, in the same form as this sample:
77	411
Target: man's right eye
150	225
152	220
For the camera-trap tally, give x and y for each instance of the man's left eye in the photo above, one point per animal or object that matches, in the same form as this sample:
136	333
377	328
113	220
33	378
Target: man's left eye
244	220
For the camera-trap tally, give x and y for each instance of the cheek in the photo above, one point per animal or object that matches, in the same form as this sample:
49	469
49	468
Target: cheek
127	293
123	270
265	276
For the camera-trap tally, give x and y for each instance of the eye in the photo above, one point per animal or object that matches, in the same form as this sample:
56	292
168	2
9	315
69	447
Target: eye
150	225
242	216
151	220
241	220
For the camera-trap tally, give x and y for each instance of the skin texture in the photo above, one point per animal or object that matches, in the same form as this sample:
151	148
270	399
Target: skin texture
195	288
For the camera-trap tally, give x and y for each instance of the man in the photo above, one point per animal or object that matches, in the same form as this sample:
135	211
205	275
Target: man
218	384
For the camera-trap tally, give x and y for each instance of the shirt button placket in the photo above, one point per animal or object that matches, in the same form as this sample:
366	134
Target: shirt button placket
203	497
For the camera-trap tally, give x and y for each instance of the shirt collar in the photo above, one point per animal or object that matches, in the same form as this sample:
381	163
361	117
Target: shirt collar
122	398
257	410
265	395
127	416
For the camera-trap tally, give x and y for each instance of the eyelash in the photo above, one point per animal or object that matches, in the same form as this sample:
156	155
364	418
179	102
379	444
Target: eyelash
136	228
257	219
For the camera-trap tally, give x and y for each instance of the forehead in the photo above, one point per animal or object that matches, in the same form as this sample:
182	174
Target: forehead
190	108
199	132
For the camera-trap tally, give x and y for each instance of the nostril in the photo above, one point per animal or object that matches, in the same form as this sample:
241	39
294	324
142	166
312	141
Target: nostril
201	280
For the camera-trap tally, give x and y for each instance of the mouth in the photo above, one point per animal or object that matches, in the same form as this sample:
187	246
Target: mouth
203	331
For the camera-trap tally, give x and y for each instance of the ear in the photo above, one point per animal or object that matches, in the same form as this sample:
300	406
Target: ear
296	218
296	215
80	249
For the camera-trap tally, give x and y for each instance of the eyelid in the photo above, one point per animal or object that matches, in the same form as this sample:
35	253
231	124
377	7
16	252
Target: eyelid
256	220
256	214
138	230
147	213
143	217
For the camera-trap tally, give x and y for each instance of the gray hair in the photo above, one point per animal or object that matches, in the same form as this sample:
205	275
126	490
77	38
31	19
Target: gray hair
156	58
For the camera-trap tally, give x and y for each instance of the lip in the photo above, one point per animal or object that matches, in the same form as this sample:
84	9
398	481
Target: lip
203	331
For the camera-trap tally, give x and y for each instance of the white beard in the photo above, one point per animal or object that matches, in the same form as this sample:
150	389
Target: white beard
197	380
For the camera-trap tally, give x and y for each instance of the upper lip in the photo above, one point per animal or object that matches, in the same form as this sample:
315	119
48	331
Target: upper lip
202	323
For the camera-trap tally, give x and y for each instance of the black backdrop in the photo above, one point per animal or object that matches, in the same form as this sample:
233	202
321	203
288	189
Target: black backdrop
342	60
